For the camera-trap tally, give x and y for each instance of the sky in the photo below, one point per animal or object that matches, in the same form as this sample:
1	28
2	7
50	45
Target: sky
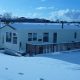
50	9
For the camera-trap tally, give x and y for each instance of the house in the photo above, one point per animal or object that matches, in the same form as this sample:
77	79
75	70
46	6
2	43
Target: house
37	38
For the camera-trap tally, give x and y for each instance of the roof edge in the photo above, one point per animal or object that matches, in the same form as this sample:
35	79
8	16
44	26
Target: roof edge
8	26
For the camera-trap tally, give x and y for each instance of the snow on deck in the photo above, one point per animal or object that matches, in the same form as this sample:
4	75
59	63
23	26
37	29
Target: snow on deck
47	67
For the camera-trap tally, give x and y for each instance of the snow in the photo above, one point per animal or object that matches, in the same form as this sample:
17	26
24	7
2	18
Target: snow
52	66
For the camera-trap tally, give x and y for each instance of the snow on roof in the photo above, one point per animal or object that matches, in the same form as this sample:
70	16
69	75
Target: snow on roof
43	26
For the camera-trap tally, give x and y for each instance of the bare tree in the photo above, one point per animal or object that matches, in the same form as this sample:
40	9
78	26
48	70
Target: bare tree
7	15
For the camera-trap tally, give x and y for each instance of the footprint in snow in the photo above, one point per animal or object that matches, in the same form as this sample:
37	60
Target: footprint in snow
6	68
21	73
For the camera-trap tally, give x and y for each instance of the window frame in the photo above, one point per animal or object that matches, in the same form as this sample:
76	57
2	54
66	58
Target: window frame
55	37
29	36
34	36
75	35
15	38
46	37
8	37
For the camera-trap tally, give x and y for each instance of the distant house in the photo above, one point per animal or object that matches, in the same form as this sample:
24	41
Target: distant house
37	38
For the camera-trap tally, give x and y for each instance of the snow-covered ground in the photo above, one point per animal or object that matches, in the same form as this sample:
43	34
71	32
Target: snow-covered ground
65	66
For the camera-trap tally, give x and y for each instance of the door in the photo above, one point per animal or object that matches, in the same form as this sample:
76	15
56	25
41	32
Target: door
40	50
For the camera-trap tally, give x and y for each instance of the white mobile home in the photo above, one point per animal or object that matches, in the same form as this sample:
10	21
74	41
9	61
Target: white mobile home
36	38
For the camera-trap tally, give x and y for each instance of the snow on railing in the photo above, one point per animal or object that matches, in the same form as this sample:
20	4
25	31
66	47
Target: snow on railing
69	51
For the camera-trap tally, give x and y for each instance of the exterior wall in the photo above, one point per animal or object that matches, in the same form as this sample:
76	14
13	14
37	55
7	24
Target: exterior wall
63	36
8	45
78	35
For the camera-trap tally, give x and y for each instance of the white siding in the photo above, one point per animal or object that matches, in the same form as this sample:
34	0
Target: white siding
6	44
63	36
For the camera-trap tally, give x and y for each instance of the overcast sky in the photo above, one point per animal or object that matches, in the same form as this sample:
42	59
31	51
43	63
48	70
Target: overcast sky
50	9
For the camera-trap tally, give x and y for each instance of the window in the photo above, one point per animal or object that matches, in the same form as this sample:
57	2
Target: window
54	37
8	36
39	39
45	37
34	36
14	38
29	36
75	35
14	34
